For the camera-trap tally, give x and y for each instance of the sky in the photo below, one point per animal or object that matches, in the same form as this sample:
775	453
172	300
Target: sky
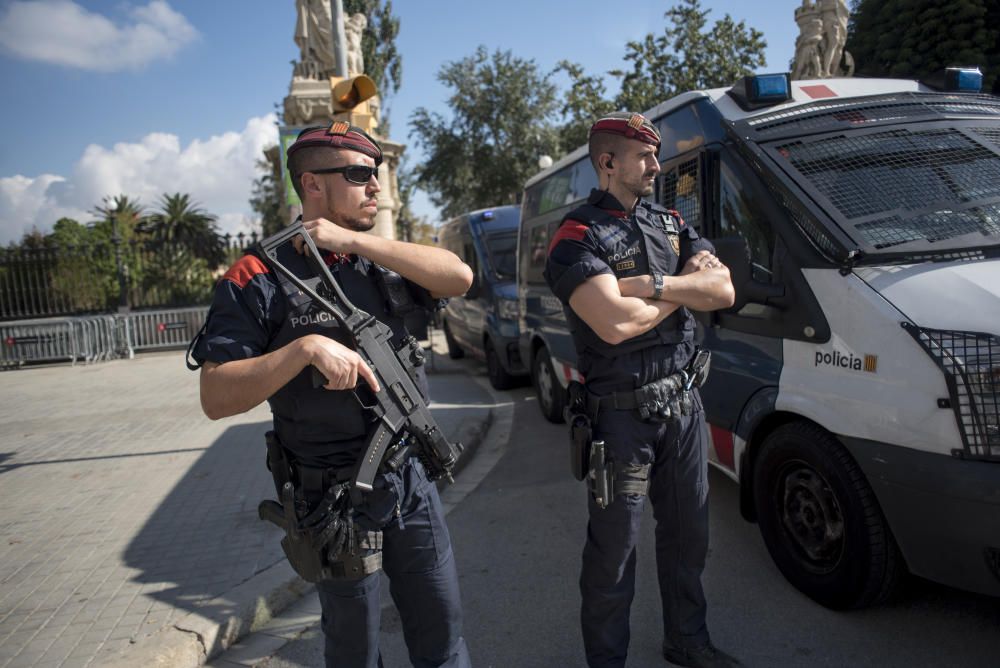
146	97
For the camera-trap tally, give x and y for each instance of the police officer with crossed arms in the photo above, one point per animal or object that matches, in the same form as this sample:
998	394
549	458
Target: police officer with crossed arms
629	273
262	341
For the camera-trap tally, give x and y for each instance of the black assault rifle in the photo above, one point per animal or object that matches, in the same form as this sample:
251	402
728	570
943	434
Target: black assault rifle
398	405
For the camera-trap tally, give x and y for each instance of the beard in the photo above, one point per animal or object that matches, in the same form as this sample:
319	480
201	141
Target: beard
358	224
641	188
355	223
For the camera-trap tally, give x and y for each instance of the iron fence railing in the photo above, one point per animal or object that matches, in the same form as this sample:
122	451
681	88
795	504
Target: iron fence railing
46	280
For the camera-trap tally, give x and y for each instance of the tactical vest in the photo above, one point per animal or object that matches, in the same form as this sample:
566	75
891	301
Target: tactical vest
325	427
657	229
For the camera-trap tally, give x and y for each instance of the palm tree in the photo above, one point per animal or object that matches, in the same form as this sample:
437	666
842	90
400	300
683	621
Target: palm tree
127	212
181	222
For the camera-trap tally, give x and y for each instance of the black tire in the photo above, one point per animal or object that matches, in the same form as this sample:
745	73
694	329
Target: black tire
499	378
455	351
551	395
821	521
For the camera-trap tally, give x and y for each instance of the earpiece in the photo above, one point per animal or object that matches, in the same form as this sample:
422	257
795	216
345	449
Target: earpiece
609	164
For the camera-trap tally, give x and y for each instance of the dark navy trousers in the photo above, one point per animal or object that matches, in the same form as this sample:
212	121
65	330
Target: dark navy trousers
678	491
418	559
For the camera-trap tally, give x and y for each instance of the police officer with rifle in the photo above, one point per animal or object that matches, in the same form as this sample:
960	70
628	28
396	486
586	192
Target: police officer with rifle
312	322
628	273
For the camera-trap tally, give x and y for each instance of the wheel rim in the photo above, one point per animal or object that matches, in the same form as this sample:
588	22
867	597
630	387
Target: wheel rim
811	517
545	381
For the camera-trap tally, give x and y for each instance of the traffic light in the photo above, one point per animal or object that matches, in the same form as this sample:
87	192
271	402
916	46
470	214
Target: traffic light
352	101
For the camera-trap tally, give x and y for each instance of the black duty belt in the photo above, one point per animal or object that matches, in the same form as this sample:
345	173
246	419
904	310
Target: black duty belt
693	375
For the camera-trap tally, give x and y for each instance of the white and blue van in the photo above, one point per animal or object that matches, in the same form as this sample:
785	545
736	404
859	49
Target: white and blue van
483	322
855	384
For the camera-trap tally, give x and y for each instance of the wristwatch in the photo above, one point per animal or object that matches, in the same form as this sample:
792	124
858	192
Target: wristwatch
657	285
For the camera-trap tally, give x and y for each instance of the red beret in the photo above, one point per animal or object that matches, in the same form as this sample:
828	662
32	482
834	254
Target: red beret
626	124
339	134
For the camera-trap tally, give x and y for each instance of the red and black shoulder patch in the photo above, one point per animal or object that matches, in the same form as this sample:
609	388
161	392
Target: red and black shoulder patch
677	215
245	269
570	229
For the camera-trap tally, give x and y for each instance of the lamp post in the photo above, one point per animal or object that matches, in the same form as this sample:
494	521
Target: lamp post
120	267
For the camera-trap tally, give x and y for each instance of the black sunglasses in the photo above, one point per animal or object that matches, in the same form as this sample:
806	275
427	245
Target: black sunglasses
358	174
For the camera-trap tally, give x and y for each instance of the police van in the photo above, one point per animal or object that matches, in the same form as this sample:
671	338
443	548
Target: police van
483	321
855	384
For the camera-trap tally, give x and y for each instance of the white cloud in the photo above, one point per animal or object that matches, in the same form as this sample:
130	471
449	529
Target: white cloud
217	172
62	32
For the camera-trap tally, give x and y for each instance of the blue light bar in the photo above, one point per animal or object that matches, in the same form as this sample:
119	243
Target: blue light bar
770	86
956	79
488	215
969	80
762	90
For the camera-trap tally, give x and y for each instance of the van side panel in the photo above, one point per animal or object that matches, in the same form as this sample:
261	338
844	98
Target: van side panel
870	380
744	366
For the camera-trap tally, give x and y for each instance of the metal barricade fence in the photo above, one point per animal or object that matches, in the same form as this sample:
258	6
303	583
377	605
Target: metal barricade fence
40	340
170	328
96	338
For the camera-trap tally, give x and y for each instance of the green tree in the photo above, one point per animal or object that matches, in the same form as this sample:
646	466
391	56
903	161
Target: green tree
126	214
687	57
83	276
121	210
383	63
583	103
500	123
914	38
267	197
181	222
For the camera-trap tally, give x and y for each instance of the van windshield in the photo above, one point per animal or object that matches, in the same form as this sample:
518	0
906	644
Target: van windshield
502	250
901	189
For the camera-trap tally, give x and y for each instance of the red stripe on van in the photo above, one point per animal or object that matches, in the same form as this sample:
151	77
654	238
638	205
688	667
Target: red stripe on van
723	442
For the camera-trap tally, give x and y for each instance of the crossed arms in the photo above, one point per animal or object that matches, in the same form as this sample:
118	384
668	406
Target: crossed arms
620	309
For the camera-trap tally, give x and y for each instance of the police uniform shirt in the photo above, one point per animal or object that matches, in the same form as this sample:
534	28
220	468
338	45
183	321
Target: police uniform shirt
251	315
602	238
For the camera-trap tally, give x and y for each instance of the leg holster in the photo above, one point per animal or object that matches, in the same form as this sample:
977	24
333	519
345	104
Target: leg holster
322	540
607	478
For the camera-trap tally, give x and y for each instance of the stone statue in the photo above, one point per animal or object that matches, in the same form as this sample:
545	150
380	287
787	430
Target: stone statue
354	28
808	61
835	15
314	36
819	48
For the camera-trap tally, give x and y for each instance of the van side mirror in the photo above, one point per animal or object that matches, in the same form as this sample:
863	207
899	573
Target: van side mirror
735	254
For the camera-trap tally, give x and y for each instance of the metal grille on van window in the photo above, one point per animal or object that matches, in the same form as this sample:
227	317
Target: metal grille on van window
971	365
991	135
838	113
815	234
935	226
680	191
901	170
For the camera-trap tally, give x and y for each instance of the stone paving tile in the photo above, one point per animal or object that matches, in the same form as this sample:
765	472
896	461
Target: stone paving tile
122	508
110	485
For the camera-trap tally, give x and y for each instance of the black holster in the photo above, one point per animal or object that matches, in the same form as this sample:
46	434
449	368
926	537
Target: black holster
580	430
322	540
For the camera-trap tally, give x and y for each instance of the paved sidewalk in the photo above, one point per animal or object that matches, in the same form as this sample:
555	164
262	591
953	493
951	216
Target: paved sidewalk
126	515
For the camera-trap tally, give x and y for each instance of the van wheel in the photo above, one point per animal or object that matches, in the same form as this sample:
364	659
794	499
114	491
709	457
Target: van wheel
551	395
455	351
820	519
499	378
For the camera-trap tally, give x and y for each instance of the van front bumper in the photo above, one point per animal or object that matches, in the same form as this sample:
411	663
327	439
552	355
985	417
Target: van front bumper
943	511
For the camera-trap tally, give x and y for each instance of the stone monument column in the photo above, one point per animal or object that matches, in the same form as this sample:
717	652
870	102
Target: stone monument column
310	97
388	198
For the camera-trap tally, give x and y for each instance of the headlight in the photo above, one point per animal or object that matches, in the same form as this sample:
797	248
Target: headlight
971	365
507	309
